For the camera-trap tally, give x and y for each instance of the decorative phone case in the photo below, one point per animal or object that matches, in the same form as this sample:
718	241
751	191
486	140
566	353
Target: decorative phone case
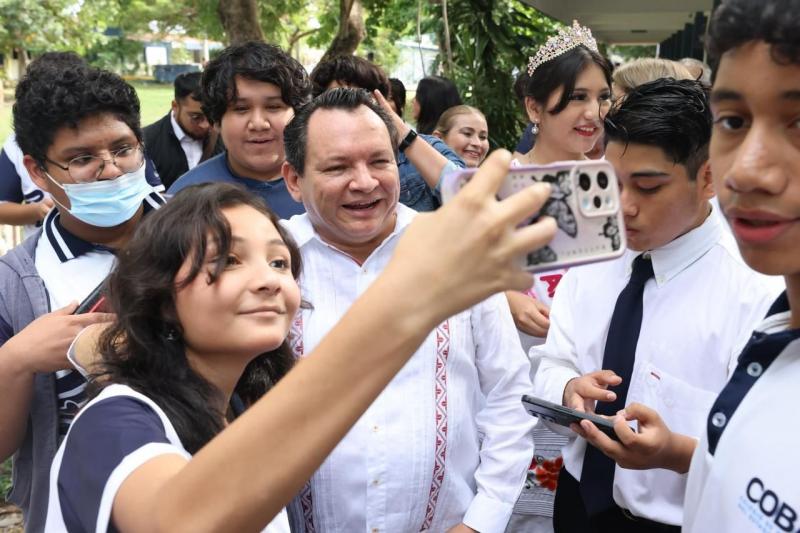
584	202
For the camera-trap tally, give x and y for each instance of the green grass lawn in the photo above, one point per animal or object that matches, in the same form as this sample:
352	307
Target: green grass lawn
155	99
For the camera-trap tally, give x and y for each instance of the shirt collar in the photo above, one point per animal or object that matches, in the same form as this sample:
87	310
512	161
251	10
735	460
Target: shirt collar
303	231
778	317
179	133
679	254
68	246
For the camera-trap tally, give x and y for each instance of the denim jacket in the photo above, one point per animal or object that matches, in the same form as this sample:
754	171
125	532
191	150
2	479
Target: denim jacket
414	192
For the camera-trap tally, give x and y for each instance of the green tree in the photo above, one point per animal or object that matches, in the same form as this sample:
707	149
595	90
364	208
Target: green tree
51	25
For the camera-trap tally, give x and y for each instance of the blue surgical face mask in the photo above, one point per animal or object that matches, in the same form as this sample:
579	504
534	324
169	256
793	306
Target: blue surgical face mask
106	203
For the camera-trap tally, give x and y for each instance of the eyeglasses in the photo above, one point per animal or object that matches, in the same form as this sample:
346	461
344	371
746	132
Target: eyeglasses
87	168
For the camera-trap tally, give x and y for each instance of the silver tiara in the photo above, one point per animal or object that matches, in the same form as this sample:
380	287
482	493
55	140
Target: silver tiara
564	41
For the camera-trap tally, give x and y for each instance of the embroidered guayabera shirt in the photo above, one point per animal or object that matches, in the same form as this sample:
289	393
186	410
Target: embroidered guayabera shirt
448	440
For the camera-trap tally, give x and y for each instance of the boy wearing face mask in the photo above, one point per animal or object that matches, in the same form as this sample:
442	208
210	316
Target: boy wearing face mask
81	139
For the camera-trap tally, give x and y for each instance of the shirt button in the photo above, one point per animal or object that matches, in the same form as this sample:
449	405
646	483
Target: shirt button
375	530
374	429
375	482
755	369
718	419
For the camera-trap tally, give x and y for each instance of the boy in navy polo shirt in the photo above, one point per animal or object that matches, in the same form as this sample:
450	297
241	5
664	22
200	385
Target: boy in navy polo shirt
743	471
78	129
249	94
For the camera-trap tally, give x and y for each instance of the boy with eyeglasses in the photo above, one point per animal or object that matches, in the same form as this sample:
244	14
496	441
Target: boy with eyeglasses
742	473
79	132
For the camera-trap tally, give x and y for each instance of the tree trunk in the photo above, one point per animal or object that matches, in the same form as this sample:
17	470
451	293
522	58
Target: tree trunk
22	62
240	20
351	30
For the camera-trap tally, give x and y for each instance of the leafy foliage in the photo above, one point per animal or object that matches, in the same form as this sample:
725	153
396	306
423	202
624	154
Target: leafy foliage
491	42
53	24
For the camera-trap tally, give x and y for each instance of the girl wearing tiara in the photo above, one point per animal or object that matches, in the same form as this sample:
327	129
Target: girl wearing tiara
567	95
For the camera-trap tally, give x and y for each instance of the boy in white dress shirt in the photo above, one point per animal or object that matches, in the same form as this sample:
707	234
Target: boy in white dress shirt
446	446
662	325
742	474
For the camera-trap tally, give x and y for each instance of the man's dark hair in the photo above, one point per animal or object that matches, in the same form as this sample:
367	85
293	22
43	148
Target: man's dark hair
736	22
187	84
435	95
60	94
145	347
398	95
349	70
254	60
563	71
295	136
673	115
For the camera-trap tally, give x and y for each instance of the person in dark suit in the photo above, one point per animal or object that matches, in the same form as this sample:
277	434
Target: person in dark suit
183	137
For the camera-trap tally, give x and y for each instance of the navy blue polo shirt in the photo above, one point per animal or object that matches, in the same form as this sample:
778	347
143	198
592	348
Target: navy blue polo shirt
216	169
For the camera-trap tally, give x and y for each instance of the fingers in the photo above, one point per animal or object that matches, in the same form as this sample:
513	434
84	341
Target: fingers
637	411
600	440
67	309
626	435
48	202
542	308
381	100
606	377
93	318
532	237
589	389
524	203
490	175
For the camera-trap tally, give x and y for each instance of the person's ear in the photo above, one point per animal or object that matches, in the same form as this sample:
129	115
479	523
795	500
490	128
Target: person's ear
437	133
175	106
534	110
292	179
705	181
36	173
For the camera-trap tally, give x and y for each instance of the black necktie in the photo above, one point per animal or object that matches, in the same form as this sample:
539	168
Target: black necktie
597	476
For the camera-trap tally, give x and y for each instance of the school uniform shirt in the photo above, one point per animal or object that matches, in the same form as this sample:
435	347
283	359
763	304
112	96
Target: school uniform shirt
743	475
116	433
695	309
447	441
16	184
71	268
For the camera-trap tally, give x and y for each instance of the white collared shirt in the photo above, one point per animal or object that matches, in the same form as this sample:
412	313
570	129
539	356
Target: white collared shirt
193	148
748	483
448	440
695	312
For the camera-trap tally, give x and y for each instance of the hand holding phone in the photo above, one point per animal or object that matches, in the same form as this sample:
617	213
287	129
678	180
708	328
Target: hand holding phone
94	302
564	416
584	201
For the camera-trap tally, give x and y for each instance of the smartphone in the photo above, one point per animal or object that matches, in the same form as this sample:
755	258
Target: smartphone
94	302
564	416
584	202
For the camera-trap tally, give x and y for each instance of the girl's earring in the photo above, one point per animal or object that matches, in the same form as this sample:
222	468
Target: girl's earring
535	128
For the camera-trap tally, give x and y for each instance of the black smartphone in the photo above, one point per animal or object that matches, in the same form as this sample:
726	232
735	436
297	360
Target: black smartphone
564	416
93	302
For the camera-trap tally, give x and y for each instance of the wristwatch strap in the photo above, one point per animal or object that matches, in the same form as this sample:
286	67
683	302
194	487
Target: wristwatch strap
406	142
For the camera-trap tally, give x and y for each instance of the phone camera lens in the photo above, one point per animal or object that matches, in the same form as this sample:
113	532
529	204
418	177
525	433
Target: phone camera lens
602	180
597	202
585	182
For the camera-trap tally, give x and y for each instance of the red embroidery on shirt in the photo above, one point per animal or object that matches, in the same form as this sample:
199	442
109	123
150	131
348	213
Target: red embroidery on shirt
440	395
552	282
